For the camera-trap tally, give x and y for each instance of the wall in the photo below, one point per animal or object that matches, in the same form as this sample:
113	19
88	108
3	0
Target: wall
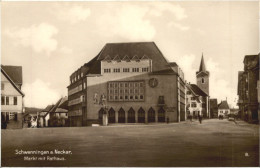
10	91
166	87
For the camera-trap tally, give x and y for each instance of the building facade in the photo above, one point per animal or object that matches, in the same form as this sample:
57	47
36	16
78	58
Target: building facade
193	102
223	109
213	108
247	89
131	82
11	96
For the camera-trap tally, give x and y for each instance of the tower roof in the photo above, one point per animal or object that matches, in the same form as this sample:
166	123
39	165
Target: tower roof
202	65
202	69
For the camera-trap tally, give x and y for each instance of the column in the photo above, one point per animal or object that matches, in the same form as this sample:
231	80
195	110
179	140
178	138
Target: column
136	116
156	116
116	115
126	115
146	116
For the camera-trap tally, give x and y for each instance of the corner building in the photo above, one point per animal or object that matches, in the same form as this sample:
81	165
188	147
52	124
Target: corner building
132	82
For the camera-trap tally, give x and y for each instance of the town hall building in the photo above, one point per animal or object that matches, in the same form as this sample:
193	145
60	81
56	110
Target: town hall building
131	83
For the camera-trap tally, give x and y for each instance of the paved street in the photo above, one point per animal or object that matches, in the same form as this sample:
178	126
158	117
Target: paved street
212	143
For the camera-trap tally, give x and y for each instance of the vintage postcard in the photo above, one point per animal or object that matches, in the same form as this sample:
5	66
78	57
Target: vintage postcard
130	84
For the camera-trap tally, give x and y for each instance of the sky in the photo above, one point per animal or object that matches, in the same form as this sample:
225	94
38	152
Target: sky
50	40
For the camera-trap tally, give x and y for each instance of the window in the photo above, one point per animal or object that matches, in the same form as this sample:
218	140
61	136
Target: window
107	70
2	100
126	91
7	100
161	100
135	70
12	116
202	80
188	92
116	70
145	69
126	70
193	105
2	86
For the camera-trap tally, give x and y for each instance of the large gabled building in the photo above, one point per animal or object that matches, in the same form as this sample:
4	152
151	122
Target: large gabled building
11	96
132	82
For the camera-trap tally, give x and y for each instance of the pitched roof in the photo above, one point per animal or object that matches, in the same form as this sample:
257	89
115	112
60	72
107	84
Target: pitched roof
197	90
202	65
14	72
132	50
223	105
48	108
213	103
58	106
11	81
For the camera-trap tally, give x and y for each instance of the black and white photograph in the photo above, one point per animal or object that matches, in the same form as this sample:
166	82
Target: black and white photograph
130	83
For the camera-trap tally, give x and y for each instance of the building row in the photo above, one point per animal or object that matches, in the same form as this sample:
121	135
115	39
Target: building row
248	89
124	83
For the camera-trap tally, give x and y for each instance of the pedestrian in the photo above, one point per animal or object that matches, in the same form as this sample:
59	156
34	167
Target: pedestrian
200	118
167	119
190	116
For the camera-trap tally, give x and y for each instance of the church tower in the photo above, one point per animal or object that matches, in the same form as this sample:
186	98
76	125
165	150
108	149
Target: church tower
203	77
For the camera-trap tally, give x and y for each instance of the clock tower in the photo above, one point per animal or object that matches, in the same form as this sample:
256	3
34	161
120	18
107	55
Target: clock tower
203	77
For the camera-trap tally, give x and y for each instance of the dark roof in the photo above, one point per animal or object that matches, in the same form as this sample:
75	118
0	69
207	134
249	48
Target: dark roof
173	64
57	107
31	110
197	90
251	62
223	105
64	103
132	50
202	66
11	81
14	72
213	103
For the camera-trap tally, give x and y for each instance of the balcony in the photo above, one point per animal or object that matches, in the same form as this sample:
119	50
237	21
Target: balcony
75	90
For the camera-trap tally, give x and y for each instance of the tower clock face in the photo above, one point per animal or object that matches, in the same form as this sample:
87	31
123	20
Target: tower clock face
153	82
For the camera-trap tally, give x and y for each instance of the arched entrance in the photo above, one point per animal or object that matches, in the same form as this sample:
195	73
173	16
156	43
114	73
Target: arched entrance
161	115
131	116
151	115
121	115
141	115
111	115
100	115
